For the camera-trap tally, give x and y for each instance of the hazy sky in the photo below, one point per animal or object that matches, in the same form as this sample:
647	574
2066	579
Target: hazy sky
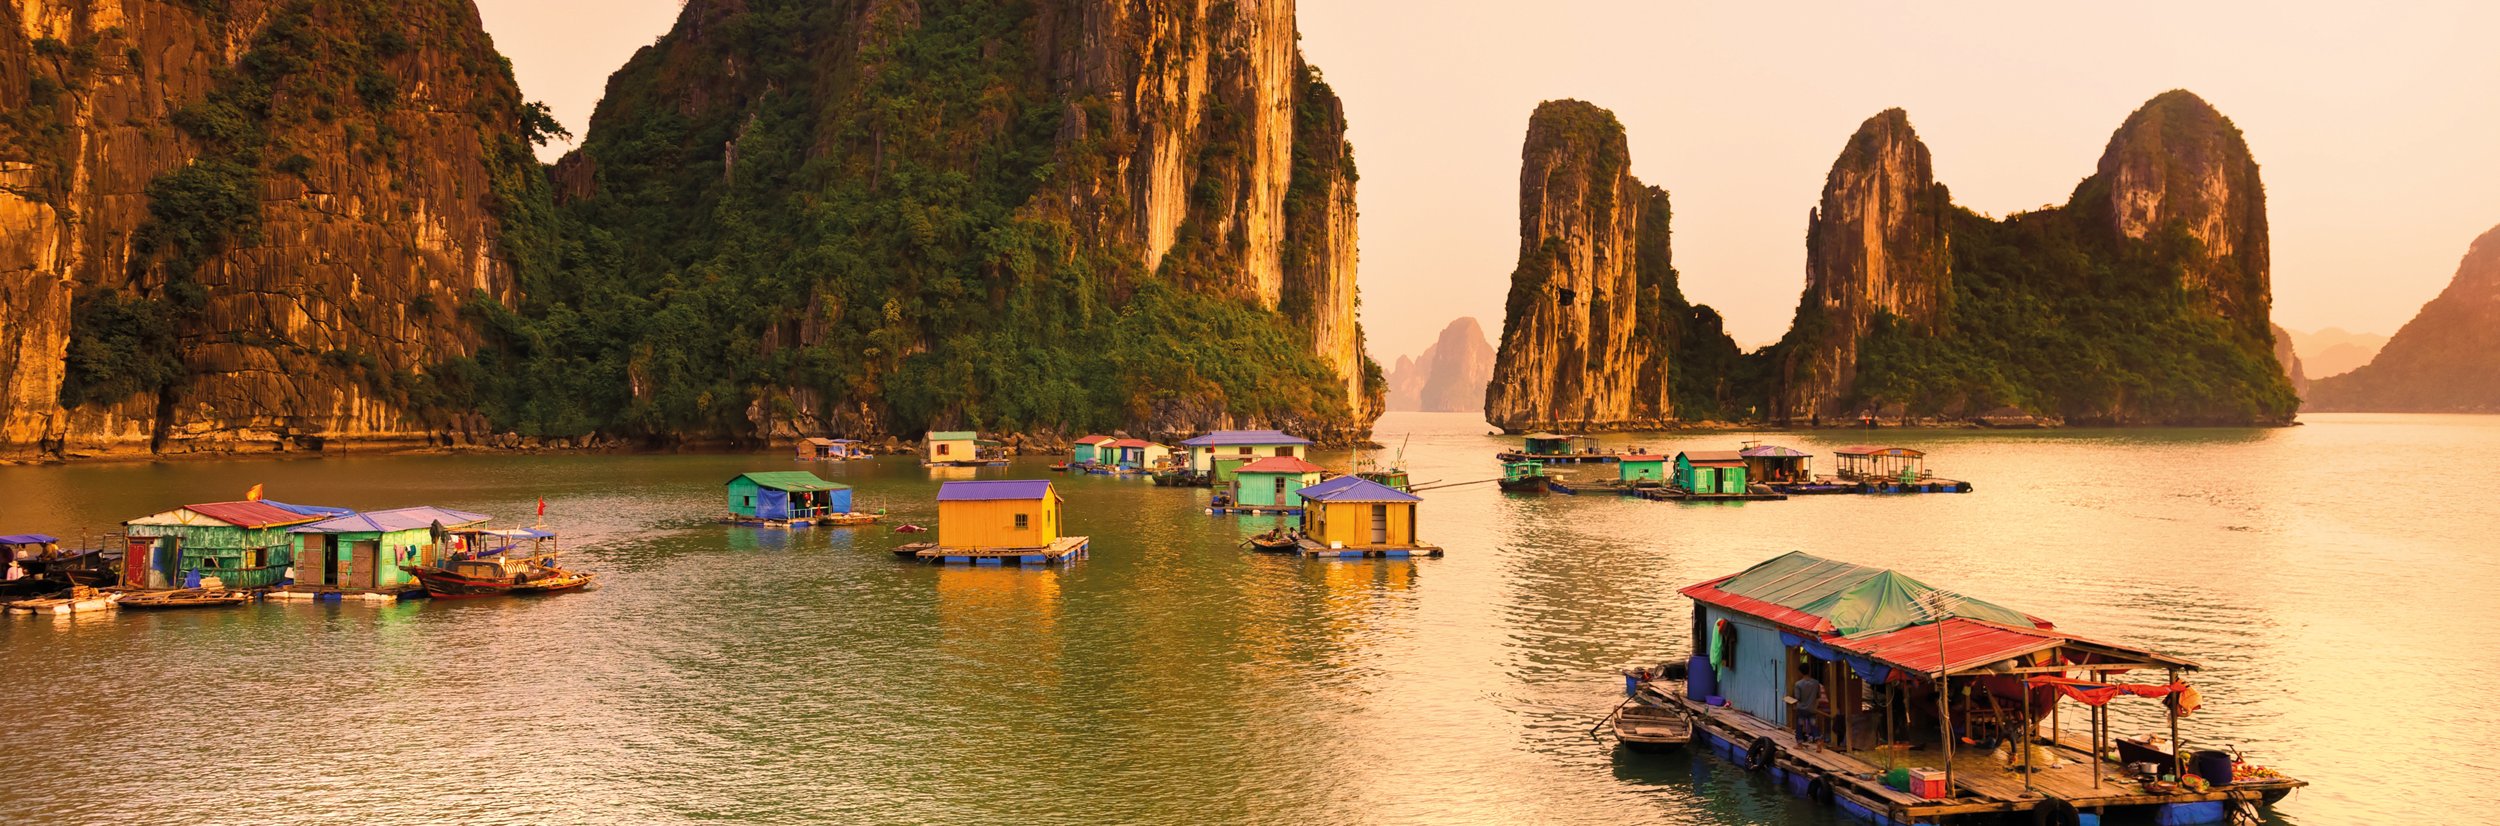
2378	129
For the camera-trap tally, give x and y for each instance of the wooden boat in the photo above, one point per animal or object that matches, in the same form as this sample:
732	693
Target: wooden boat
1644	727
851	518
1278	541
495	576
1524	477
184	598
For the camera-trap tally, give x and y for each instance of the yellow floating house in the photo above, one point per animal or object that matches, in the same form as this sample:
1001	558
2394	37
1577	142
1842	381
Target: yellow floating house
997	521
1351	516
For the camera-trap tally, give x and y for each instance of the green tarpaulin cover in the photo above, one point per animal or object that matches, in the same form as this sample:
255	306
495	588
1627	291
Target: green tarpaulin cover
1858	600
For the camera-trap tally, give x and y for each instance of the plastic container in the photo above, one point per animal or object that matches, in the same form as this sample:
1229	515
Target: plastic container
1699	679
2214	766
1927	783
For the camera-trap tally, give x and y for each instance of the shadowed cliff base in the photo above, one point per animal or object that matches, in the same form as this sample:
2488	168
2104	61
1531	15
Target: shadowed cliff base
2446	360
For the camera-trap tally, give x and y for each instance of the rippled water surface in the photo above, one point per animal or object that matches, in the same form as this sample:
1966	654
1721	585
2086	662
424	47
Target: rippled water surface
2337	578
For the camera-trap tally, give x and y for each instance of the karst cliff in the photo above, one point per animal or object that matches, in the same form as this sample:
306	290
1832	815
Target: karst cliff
1449	376
2143	300
878	216
1596	333
2446	360
246	226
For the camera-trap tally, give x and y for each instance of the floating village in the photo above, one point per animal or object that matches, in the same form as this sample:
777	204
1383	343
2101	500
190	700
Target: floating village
1858	688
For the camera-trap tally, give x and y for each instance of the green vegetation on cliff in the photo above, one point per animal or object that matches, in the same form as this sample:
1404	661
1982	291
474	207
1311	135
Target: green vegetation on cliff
2049	315
870	238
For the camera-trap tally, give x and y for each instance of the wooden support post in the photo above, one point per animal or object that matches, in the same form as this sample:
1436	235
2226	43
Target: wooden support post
1944	719
2178	765
2029	733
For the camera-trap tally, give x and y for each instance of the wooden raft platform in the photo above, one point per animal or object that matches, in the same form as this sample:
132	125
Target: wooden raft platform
1673	494
1311	548
1557	458
1063	550
1982	784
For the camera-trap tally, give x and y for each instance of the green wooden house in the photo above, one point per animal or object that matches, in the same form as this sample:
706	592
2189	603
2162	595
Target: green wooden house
1636	468
243	544
1088	450
1274	482
785	496
1710	471
371	550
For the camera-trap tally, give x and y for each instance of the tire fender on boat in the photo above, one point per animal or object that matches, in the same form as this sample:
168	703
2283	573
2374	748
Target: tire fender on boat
2056	812
1819	790
1758	755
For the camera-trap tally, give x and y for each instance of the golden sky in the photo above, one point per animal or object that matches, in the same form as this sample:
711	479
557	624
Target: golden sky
2377	125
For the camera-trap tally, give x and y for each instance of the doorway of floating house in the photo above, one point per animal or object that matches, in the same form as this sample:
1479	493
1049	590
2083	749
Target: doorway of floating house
1280	492
1380	524
363	560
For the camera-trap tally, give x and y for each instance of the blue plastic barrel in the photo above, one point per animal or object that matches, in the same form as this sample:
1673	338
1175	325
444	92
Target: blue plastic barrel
1699	680
2188	814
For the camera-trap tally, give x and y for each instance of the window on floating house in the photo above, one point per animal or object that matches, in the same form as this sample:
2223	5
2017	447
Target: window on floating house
1245	451
1023	521
1285	451
945	449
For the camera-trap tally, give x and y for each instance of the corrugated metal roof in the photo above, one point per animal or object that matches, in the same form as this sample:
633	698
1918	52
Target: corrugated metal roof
1093	440
309	510
1713	457
953	435
820	441
1132	443
1878	450
1640	457
1771	452
28	539
395	519
1965	643
1279	464
236	514
1252	438
791	480
1355	489
988	490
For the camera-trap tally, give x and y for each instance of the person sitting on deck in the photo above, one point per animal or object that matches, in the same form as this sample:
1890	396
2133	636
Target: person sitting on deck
1805	704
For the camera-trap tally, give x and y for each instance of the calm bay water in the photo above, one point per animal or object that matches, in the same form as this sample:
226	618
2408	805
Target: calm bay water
2336	578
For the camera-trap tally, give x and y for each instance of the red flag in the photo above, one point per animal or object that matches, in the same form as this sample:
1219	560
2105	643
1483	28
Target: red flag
542	506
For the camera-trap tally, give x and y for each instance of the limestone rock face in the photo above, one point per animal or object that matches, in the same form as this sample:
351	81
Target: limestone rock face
2289	358
2177	161
1449	377
2446	360
1188	141
1876	244
359	211
1583	343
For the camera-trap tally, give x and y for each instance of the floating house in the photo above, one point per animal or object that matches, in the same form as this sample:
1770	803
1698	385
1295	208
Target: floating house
1217	455
1871	462
1088	450
832	449
789	498
1273	485
244	544
1556	447
994	522
1914	674
1776	465
1710	471
1641	468
370	551
1134	454
950	447
1351	516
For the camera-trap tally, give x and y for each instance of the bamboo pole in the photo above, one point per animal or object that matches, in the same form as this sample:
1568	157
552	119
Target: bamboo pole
2178	763
2029	733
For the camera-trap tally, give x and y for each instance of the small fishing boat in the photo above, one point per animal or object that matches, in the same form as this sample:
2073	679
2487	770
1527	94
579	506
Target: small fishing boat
1277	541
1523	477
494	577
183	598
1644	727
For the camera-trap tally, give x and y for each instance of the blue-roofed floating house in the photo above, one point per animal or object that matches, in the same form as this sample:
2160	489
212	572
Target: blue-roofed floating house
1214	456
1351	516
370	551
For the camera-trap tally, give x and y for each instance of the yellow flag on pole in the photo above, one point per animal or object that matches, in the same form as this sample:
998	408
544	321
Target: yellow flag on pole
253	494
